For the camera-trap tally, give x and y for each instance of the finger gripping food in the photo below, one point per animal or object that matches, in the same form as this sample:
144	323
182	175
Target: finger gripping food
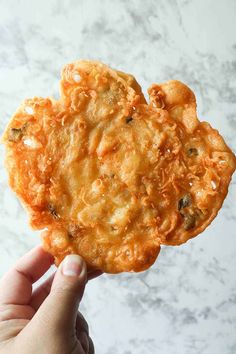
112	177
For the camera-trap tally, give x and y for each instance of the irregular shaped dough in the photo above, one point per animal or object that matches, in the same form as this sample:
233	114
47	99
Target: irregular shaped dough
111	177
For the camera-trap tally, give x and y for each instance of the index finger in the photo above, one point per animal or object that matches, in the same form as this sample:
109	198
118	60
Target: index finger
40	293
16	285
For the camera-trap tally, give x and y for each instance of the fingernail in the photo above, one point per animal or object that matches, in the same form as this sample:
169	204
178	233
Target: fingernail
72	265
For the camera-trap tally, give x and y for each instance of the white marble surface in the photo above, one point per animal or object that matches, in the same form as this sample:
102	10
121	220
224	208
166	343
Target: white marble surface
186	303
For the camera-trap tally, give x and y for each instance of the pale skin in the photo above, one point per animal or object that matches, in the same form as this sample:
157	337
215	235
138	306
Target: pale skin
45	320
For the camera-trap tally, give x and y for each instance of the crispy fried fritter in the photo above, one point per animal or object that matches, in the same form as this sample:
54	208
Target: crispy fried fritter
111	177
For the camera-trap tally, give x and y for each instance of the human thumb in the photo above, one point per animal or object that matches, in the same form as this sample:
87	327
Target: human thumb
59	310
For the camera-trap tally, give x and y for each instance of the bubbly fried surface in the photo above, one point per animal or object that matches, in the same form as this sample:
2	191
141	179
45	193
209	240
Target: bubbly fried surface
111	177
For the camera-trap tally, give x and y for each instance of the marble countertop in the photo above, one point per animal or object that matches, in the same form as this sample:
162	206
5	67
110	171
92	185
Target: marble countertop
186	303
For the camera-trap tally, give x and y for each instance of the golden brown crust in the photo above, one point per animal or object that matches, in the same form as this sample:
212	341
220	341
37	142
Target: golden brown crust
210	169
109	176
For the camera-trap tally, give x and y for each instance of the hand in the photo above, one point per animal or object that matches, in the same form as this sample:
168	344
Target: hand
45	320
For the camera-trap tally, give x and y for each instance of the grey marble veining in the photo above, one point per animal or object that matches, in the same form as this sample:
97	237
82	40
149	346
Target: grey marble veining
186	303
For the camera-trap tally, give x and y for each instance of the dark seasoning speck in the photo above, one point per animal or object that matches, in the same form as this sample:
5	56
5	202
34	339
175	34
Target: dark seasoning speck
16	134
189	219
192	152
184	202
128	120
53	212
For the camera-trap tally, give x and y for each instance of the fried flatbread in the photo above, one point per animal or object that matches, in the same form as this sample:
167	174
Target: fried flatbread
111	177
